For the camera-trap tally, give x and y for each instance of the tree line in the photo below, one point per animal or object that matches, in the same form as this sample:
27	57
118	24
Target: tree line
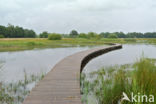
75	34
12	31
130	34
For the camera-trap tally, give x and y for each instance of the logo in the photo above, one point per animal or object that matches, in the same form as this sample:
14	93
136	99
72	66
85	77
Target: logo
137	98
125	97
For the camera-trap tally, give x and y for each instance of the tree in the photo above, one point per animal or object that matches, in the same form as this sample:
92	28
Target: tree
19	32
104	34
73	33
1	36
54	36
91	35
44	34
12	31
135	35
83	35
150	35
29	33
112	36
120	34
3	30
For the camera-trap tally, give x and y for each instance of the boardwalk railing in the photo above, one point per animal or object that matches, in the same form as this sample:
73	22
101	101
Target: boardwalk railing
62	84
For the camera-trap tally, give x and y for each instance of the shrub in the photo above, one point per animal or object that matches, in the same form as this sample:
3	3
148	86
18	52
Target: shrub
82	35
112	36
1	36
91	35
54	36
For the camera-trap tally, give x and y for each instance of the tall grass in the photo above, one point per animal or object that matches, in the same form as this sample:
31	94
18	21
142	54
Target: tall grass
11	44
108	84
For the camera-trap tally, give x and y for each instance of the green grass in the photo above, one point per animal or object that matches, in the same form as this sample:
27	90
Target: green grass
15	44
108	84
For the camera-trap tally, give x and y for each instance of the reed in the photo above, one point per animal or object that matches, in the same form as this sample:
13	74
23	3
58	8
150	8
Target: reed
107	85
14	93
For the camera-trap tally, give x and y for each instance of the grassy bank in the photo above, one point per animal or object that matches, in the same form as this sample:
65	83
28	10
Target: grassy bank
107	85
14	44
25	44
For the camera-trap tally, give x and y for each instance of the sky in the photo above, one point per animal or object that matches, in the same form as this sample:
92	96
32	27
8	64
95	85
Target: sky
62	16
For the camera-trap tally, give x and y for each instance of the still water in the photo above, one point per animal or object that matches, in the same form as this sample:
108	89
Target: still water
127	55
13	64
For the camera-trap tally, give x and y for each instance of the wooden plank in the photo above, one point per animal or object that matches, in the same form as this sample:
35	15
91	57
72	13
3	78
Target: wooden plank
62	84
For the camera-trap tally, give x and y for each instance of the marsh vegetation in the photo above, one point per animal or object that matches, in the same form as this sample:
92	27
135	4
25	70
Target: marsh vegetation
103	87
106	86
15	92
16	44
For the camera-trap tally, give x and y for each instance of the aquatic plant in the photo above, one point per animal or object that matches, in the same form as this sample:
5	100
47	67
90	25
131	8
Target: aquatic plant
14	93
107	85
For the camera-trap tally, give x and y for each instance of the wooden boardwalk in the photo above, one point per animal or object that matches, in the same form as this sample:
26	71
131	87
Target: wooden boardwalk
62	84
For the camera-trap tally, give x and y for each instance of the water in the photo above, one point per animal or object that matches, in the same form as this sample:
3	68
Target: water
33	62
13	64
127	55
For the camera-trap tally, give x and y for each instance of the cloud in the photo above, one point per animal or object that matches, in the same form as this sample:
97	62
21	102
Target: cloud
84	15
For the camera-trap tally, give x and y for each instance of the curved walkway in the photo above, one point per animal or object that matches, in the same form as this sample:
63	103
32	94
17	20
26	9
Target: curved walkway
61	85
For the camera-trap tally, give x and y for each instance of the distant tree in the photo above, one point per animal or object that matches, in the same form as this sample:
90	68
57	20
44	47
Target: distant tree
150	35
54	36
26	32
32	34
112	36
73	33
65	35
44	34
1	36
135	35
98	36
83	35
29	33
91	34
120	34
19	32
104	34
10	31
3	30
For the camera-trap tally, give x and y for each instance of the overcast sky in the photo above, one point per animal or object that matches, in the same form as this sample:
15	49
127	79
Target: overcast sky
83	15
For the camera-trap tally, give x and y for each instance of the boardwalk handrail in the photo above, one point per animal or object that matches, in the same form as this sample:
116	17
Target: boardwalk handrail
62	84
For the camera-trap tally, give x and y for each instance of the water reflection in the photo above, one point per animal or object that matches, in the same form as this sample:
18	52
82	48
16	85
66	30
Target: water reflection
128	54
